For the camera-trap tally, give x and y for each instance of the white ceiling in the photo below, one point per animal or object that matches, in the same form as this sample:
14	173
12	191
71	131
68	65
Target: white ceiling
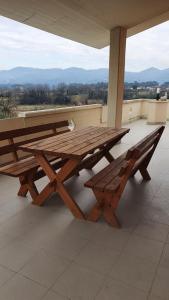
87	21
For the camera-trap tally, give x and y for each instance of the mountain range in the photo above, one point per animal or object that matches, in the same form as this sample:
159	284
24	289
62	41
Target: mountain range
23	75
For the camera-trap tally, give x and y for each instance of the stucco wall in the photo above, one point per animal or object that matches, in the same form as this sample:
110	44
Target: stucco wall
81	116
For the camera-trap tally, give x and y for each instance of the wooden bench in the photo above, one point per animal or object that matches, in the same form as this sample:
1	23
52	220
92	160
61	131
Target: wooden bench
108	185
23	165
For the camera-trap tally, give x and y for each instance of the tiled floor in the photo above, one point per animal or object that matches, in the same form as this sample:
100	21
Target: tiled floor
46	254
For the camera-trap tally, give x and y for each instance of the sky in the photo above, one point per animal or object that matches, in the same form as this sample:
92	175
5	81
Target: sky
22	45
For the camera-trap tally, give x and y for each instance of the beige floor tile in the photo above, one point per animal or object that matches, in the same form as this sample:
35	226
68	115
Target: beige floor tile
5	275
163	194
152	230
128	214
15	255
164	262
144	248
111	238
26	229
97	258
157	213
53	296
115	290
135	271
66	246
152	297
160	286
44	268
81	229
79	283
5	239
17	225
19	288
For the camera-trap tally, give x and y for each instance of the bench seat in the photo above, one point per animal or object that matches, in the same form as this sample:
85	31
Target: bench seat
104	180
21	164
109	184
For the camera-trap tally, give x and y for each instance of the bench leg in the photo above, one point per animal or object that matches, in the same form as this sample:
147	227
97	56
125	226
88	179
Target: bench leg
23	190
95	213
103	208
110	217
145	174
109	157
97	210
28	185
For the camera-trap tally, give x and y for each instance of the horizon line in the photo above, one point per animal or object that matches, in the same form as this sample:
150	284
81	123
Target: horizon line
39	68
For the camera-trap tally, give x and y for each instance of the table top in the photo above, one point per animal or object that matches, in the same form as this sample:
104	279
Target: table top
77	143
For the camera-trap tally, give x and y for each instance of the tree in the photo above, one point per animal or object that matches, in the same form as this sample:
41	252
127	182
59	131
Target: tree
7	107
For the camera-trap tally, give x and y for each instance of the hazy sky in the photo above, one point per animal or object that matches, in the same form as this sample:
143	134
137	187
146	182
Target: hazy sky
22	45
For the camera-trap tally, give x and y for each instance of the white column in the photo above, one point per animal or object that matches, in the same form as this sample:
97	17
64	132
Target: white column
116	76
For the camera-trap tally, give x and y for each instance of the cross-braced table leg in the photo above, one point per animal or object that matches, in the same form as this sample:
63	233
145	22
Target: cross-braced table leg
57	184
104	151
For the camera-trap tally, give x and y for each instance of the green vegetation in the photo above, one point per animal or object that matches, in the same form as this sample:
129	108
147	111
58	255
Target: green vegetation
36	97
7	107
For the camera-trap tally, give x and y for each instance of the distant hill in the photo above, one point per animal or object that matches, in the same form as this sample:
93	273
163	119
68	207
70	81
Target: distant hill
22	75
151	74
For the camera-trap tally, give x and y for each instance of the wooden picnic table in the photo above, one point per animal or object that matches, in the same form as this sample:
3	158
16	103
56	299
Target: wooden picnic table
82	148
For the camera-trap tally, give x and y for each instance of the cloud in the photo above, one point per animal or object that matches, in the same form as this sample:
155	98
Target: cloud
149	48
23	45
44	49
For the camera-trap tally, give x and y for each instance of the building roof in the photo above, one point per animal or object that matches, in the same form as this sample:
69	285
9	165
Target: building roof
87	21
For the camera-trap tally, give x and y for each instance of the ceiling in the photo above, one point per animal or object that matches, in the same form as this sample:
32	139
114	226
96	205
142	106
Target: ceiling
87	21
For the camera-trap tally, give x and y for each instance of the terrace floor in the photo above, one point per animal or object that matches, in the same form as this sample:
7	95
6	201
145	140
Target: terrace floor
46	254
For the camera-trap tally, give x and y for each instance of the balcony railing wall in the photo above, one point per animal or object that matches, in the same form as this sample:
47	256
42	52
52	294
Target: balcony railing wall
79	116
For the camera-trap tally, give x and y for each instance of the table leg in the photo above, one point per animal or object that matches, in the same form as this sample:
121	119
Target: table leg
44	194
69	201
91	161
57	184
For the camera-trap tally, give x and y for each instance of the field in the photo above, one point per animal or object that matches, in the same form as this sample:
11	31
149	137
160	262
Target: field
36	107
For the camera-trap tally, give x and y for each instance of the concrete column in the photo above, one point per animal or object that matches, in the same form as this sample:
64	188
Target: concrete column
116	76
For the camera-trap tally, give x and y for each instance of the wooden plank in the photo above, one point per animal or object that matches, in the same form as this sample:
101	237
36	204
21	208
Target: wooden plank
13	147
107	183
148	137
29	130
99	143
143	148
57	139
80	150
82	134
18	168
78	144
103	173
53	145
14	152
